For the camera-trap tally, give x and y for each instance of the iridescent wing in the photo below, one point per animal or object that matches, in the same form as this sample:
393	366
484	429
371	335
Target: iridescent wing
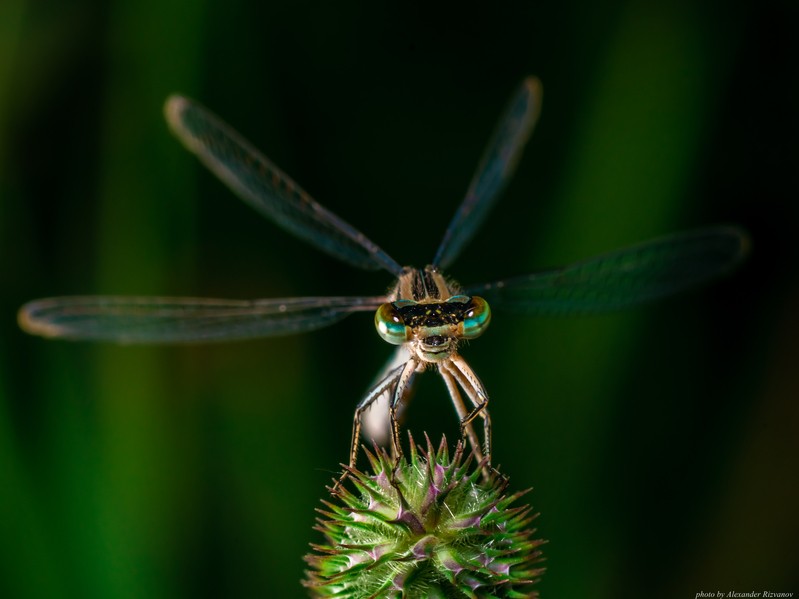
183	320
494	170
266	188
633	275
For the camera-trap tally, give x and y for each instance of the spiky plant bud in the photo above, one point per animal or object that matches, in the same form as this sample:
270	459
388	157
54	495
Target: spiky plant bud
429	528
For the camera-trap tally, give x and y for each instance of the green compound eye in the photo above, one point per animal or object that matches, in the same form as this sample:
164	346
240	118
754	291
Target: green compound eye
476	319
390	325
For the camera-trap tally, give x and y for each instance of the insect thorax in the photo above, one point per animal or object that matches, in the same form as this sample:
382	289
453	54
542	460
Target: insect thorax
423	286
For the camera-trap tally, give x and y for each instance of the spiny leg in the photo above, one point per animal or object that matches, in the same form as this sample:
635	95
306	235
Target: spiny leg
468	380
474	397
467	430
404	380
374	421
382	386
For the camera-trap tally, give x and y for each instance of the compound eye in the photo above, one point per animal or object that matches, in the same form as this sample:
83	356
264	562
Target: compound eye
475	318
390	325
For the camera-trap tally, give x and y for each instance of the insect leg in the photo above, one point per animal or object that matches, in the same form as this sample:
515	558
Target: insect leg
468	380
403	382
375	425
381	387
460	408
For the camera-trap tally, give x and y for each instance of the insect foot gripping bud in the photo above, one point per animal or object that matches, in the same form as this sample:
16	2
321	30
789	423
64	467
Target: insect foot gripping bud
434	528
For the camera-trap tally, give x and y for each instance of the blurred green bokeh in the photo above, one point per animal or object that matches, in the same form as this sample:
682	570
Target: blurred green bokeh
662	442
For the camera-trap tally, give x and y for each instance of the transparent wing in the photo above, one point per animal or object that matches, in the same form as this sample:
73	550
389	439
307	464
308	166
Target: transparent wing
494	170
625	277
183	320
265	187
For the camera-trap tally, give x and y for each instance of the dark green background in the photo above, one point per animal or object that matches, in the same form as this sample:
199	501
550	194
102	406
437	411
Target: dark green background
662	442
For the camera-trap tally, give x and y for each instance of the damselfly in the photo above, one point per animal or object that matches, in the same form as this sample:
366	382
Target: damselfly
425	314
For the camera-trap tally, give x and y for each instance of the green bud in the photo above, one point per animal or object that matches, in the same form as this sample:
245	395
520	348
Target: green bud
435	528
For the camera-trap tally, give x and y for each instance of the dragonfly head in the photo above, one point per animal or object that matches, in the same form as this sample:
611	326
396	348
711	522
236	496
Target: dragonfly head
433	328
